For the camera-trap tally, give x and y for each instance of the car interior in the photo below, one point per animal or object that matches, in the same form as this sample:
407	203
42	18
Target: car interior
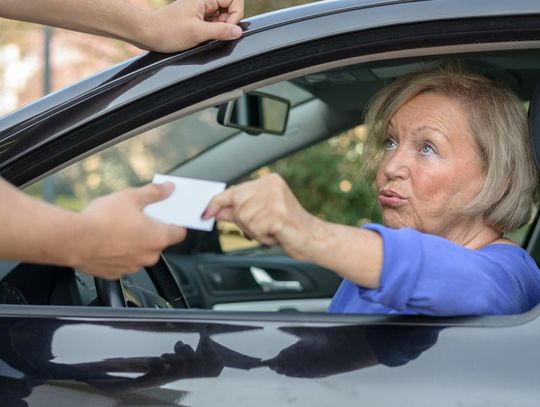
275	125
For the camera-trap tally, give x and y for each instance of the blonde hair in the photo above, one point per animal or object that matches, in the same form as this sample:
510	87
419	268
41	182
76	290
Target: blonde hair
498	122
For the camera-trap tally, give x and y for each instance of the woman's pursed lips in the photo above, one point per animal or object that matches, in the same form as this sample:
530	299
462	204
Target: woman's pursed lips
387	197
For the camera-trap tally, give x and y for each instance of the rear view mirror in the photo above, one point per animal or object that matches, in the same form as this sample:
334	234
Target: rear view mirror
256	113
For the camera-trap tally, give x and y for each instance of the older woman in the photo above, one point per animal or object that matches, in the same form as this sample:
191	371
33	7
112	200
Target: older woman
454	172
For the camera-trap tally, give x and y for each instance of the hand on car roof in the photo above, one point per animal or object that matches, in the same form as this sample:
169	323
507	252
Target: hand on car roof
186	23
175	27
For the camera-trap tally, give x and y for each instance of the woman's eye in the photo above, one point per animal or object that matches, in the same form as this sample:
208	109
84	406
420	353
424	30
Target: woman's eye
389	144
427	149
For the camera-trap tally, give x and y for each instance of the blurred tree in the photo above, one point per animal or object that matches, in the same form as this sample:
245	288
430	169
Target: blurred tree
74	56
328	180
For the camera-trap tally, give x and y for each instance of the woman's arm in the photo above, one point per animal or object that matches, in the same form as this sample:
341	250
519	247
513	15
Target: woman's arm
267	210
175	27
402	269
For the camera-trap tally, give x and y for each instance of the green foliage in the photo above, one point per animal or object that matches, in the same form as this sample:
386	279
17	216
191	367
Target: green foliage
327	179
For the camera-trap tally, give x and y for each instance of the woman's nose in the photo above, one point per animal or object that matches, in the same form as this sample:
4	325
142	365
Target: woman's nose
396	164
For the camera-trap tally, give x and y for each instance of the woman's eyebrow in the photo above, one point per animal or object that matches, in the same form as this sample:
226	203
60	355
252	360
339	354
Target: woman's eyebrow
435	129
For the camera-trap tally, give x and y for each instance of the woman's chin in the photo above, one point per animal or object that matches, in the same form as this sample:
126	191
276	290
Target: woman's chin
394	221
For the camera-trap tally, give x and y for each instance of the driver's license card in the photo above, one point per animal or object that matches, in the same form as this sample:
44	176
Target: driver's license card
186	204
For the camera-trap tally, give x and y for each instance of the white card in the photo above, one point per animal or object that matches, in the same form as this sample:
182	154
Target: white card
186	204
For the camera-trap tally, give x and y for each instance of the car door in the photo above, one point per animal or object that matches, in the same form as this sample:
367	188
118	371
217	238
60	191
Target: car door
119	109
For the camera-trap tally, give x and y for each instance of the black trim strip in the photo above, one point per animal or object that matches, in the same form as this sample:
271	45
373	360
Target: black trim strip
185	315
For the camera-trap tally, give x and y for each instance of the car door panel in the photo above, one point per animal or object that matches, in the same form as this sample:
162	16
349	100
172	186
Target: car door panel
209	280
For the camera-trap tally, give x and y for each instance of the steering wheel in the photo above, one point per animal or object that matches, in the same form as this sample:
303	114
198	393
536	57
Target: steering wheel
115	294
110	293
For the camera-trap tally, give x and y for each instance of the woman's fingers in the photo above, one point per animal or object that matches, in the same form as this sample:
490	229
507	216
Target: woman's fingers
220	204
260	208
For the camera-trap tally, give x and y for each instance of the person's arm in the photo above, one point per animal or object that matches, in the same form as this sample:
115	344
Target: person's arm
110	238
267	210
402	269
175	27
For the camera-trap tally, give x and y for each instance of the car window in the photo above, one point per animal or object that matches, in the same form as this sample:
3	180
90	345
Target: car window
319	156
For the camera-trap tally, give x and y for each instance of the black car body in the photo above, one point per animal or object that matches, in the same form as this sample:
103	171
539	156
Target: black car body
58	348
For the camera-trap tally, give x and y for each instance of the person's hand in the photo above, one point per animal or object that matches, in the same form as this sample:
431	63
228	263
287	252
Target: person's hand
174	27
186	23
118	238
265	210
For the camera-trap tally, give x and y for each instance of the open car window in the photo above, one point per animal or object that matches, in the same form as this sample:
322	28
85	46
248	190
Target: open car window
319	155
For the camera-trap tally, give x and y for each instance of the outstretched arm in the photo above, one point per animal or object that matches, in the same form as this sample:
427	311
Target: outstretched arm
267	210
175	27
110	238
421	273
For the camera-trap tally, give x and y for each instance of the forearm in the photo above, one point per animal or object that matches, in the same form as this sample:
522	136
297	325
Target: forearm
267	210
35	231
115	19
353	253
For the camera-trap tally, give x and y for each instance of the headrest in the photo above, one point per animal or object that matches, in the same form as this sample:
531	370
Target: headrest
534	125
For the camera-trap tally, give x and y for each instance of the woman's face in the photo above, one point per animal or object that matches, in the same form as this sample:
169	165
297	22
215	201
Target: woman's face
430	169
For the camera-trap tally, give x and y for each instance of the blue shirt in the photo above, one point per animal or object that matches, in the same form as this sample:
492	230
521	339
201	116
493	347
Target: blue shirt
426	274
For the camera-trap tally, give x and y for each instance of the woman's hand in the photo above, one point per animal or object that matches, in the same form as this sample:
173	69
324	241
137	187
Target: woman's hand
266	210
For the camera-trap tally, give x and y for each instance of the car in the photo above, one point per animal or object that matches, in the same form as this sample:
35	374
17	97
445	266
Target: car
220	320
